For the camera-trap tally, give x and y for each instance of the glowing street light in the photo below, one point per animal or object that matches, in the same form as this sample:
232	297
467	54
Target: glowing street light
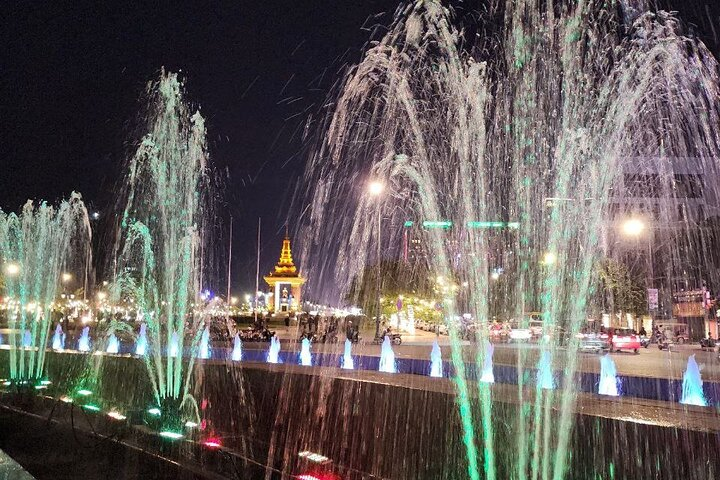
12	269
66	277
549	258
633	227
101	296
376	188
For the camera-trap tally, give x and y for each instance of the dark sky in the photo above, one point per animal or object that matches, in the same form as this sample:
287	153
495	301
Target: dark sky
72	73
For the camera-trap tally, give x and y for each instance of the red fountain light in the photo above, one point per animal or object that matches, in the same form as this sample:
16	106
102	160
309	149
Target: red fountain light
212	443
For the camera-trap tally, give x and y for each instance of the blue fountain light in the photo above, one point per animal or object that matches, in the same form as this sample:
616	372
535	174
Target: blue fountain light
204	352
488	376
347	361
113	344
305	355
141	344
609	383
545	378
237	349
274	350
84	341
436	366
692	389
173	348
58	341
387	357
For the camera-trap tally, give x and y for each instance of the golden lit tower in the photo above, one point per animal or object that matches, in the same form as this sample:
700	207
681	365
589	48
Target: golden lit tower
286	282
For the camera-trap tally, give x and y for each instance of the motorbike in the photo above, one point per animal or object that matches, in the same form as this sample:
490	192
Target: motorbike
395	338
707	344
256	335
645	341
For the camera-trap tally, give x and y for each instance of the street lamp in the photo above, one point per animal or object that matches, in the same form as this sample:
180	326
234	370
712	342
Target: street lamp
549	258
12	269
66	277
376	189
633	227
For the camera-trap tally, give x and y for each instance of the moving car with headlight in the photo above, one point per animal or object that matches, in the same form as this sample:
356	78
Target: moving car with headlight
623	339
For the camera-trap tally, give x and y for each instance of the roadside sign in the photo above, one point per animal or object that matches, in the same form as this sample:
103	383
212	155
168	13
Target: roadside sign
652	294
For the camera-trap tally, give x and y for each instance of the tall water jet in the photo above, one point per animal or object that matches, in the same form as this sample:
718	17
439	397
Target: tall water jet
436	365
37	246
204	352
512	147
237	348
273	355
305	355
692	386
488	375
347	360
162	232
387	357
84	340
609	382
544	377
113	345
58	341
141	342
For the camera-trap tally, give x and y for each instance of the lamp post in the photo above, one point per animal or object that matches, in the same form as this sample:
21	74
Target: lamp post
376	189
634	228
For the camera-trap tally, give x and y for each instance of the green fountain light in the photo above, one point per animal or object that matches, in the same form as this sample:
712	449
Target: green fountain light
171	435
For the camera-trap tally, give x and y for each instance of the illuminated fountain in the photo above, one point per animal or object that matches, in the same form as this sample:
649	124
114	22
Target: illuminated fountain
609	382
113	344
692	386
27	339
37	246
305	355
509	142
488	376
173	349
84	340
141	342
161	242
58	340
273	355
204	352
387	357
436	365
237	348
347	360
544	376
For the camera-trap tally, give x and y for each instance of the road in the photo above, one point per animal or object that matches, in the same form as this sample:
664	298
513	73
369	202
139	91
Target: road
650	362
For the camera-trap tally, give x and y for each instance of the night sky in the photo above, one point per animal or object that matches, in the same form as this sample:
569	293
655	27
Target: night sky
72	74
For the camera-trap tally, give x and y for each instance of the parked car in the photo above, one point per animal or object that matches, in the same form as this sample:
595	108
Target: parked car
518	333
593	342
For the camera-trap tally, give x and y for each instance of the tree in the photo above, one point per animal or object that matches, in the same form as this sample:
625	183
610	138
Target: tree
622	292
